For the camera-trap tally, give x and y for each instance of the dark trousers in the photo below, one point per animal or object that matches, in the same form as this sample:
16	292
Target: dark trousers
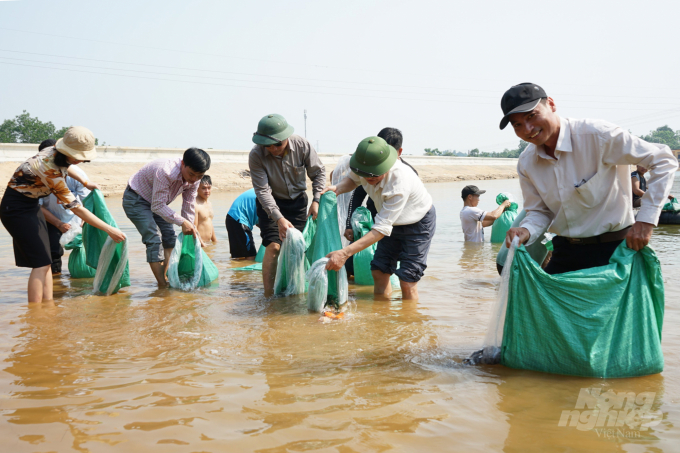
56	250
295	211
568	257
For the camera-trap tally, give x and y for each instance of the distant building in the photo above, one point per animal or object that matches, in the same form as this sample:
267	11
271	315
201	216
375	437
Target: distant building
676	153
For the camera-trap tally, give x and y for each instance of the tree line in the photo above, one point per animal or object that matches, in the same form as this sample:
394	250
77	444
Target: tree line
663	134
27	129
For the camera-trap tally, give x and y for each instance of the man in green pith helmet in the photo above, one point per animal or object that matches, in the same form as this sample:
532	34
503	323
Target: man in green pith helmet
278	163
405	223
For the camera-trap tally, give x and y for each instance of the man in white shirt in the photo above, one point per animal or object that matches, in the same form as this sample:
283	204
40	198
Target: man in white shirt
575	178
405	223
474	220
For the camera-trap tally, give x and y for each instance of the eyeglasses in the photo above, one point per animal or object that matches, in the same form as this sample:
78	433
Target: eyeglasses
277	144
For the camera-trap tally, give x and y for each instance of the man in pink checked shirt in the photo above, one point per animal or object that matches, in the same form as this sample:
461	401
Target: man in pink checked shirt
146	200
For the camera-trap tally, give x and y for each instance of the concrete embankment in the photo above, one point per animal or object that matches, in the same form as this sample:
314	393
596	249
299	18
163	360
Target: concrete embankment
229	171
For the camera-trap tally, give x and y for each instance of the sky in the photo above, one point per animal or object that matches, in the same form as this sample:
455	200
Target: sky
177	74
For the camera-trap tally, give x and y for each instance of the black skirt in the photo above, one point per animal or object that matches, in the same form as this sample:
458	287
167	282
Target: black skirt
25	222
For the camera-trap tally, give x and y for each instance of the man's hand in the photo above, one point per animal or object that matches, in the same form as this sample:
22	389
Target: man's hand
284	224
64	227
639	235
506	204
189	228
314	210
670	197
522	232
349	234
329	189
91	186
336	260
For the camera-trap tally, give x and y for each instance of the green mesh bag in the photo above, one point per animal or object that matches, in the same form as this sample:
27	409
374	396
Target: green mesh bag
77	265
182	272
293	262
327	238
94	240
672	206
504	222
362	222
600	322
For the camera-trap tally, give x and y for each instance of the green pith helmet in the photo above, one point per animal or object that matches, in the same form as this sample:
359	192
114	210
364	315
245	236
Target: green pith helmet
373	157
272	129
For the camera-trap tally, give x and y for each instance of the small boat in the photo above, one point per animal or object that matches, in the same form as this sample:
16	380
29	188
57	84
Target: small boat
669	218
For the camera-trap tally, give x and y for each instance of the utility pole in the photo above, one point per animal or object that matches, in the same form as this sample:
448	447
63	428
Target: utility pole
305	123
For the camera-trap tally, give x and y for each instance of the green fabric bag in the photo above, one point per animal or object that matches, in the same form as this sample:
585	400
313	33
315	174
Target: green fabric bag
260	254
504	222
77	265
94	239
186	265
258	261
600	322
536	250
327	238
362	222
672	206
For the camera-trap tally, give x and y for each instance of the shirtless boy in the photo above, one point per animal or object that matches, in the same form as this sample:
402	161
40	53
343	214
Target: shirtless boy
204	212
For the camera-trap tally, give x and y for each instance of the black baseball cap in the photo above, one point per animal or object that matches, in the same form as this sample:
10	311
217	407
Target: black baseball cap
471	190
520	98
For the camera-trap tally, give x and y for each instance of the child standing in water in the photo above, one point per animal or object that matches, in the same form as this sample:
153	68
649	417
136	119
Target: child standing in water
204	212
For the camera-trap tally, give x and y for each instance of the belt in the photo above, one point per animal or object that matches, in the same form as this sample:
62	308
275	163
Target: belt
606	237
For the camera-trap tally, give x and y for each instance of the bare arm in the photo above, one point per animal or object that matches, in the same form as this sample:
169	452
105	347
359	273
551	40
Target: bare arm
636	187
346	185
492	216
88	217
51	218
337	259
75	174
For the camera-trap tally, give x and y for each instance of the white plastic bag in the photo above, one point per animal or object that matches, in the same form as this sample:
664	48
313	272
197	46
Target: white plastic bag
494	336
173	275
104	263
340	172
290	270
317	294
71	234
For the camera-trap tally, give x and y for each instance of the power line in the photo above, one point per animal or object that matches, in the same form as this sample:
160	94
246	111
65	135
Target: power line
303	78
282	83
52	35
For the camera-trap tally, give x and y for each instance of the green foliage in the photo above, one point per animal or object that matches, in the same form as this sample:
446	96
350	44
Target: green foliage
27	129
665	135
448	152
514	153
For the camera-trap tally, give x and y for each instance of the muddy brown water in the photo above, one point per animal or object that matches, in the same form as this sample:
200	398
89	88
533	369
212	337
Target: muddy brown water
223	369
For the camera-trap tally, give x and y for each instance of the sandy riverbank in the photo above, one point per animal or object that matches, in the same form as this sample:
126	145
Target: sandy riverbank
112	178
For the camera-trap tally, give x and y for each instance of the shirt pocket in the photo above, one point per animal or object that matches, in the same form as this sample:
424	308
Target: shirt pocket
592	192
298	175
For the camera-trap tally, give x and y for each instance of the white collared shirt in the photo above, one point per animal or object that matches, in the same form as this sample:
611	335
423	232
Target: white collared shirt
400	198
586	191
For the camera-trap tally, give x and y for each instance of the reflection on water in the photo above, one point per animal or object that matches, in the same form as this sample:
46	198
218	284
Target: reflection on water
224	369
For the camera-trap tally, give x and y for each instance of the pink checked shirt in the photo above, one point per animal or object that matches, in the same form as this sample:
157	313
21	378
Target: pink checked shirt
159	182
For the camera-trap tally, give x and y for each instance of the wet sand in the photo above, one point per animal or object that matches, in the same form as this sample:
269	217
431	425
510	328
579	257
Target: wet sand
224	369
112	178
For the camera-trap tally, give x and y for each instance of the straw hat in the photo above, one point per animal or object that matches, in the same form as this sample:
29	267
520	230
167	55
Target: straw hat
78	143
